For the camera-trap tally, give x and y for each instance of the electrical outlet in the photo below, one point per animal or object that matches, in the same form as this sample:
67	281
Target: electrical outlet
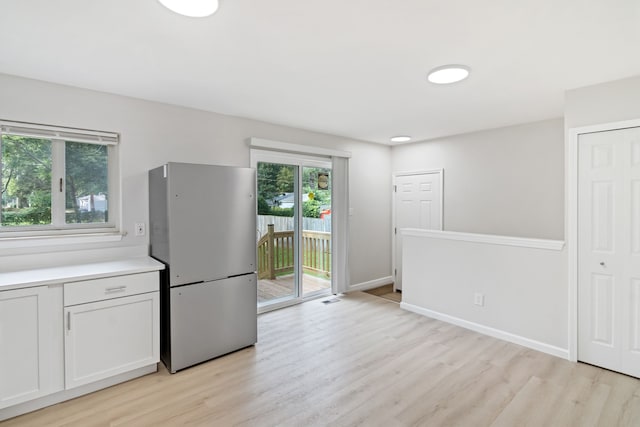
478	299
140	229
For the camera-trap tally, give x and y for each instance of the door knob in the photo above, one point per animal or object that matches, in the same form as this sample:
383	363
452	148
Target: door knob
602	264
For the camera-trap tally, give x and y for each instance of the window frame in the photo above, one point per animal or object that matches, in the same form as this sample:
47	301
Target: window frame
58	136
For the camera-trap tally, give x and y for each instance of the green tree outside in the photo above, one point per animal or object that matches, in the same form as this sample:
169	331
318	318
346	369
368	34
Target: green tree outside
26	180
276	179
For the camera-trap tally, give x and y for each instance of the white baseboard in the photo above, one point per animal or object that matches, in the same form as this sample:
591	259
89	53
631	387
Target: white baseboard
364	286
492	332
61	396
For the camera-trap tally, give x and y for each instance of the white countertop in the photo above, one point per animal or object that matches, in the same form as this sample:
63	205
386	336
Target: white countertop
77	272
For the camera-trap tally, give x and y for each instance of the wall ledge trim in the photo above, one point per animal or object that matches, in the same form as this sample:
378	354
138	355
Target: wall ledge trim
525	242
486	330
60	239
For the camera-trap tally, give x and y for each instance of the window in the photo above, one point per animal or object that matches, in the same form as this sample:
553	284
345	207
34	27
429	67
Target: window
57	180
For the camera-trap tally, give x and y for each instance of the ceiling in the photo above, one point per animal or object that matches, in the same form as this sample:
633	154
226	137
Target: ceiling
352	68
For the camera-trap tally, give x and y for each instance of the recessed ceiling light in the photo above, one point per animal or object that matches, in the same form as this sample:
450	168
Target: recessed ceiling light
448	74
191	8
401	138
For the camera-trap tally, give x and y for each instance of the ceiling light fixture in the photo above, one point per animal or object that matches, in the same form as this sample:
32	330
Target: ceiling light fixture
447	74
191	8
401	138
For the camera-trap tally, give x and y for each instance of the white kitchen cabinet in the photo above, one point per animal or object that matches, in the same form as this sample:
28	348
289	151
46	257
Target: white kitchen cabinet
114	333
27	351
71	330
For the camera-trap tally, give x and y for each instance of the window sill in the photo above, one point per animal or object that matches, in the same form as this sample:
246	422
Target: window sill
63	239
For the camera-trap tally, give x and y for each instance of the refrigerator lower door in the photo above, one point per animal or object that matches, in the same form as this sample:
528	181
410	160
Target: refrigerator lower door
211	319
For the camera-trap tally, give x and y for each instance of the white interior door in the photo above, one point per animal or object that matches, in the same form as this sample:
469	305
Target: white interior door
418	204
609	250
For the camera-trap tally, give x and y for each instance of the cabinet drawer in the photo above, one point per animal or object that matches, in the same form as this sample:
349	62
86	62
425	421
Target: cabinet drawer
109	287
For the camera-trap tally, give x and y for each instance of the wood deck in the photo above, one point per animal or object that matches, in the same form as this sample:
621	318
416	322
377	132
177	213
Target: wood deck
283	286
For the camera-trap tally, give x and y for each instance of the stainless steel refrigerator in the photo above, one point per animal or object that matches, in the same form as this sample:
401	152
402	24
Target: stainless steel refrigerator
203	228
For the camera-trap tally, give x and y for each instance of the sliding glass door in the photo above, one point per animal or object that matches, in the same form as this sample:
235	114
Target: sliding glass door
276	233
316	230
293	228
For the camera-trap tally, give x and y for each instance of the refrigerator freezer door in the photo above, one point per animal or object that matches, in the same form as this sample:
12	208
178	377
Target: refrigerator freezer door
212	319
212	222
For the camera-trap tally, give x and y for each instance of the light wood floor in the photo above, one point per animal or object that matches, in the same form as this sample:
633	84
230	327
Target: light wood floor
363	361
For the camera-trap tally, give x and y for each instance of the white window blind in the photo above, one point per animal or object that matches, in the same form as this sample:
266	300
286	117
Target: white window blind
52	132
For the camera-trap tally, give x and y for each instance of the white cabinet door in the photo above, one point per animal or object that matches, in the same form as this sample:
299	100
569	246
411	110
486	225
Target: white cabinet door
25	345
107	338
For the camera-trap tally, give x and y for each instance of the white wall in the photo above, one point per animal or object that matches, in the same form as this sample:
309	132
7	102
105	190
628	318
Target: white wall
507	181
603	103
524	288
154	133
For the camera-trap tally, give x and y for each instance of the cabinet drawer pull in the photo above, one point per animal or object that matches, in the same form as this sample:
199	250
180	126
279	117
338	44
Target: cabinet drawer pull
116	289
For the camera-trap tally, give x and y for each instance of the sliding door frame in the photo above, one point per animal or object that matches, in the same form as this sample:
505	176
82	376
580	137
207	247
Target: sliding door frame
300	161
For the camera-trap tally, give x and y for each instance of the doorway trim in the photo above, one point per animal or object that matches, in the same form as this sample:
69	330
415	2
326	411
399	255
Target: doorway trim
394	231
287	147
571	153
